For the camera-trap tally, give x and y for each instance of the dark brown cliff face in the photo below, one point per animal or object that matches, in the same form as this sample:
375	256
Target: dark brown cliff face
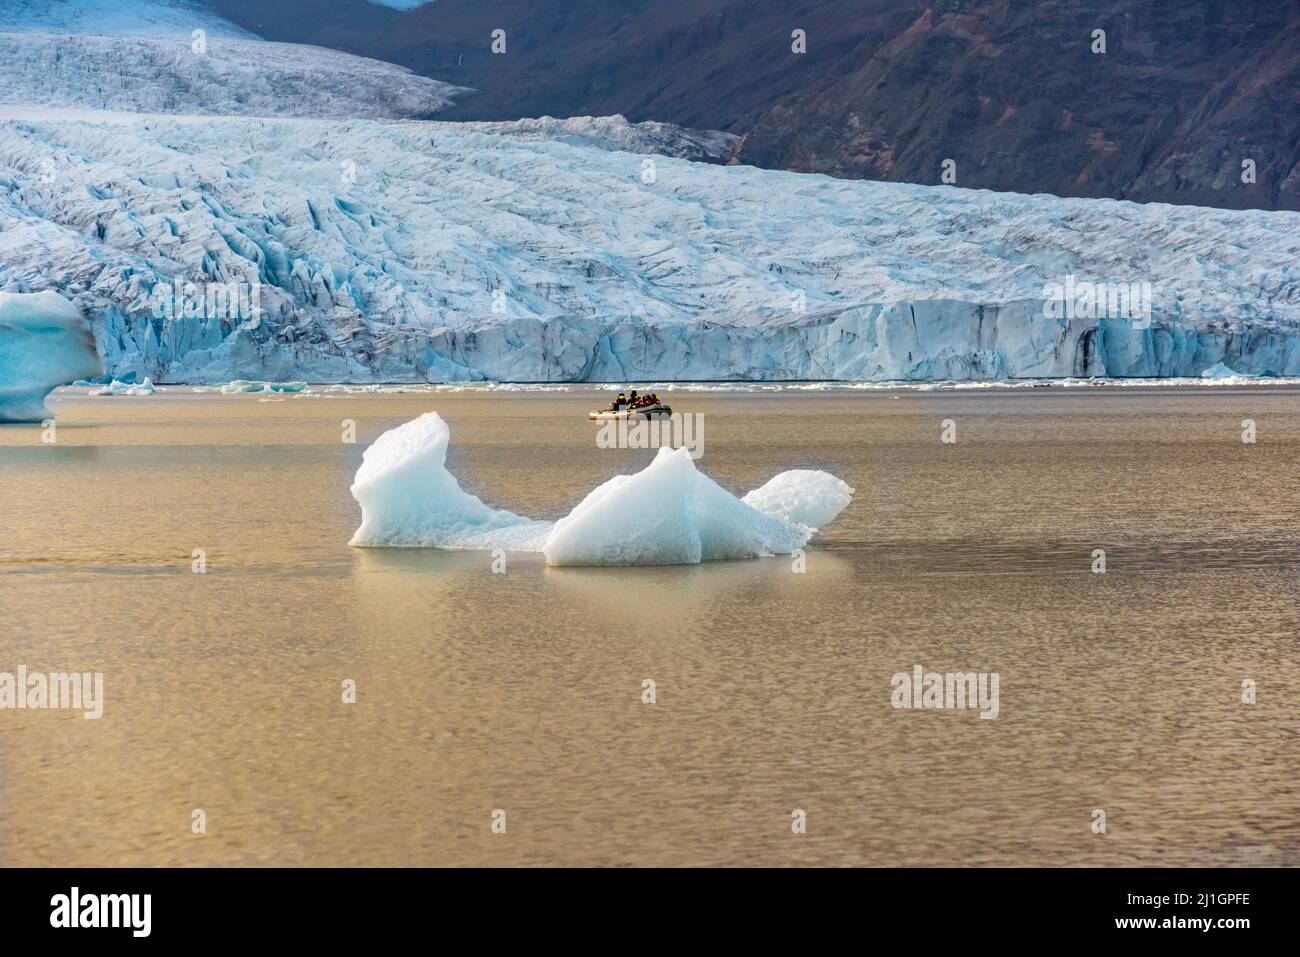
1010	90
1014	94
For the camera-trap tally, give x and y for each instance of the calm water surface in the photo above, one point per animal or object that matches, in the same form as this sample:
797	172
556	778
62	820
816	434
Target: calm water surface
522	690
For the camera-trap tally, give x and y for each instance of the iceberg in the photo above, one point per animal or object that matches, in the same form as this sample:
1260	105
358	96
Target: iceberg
801	496
1221	370
409	500
44	343
667	514
239	386
672	514
117	387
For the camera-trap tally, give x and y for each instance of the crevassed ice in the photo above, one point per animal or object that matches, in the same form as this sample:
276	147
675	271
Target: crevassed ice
667	514
392	278
44	343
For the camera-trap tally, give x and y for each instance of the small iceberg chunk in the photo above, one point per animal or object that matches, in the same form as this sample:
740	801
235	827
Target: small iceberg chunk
122	388
409	499
667	514
642	519
45	342
671	514
241	386
1221	370
802	496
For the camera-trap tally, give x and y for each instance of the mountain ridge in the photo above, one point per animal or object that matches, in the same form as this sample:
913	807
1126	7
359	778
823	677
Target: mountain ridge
1011	92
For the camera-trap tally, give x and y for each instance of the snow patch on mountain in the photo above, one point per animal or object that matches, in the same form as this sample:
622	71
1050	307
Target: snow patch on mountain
400	252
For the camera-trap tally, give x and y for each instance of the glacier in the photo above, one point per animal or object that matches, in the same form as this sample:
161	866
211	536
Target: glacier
181	57
45	342
397	249
667	514
411	251
649	137
120	17
230	77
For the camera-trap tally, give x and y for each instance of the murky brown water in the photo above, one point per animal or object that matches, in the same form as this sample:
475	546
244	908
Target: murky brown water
522	691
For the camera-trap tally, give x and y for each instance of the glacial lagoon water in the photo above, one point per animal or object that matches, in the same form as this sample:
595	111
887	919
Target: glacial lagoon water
524	690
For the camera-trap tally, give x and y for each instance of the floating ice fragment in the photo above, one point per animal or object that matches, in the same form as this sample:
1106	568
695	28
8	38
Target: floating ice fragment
122	388
409	499
1221	370
44	343
642	519
667	514
802	496
240	386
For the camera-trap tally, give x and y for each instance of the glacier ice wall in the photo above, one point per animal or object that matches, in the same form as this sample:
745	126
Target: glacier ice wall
667	514
44	343
410	251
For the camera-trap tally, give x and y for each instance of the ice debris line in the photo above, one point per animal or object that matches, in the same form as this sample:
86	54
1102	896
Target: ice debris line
241	386
44	343
126	388
667	514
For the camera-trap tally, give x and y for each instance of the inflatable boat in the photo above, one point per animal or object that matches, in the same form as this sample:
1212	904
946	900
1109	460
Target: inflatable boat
643	412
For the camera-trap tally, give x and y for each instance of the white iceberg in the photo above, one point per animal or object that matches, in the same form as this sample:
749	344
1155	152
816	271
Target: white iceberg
409	499
240	386
802	496
672	514
44	343
667	514
125	388
1221	370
